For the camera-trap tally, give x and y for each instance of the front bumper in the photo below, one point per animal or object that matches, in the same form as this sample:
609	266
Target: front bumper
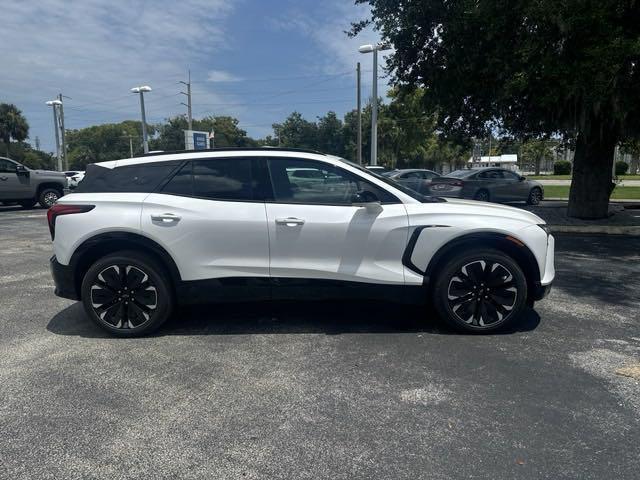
63	279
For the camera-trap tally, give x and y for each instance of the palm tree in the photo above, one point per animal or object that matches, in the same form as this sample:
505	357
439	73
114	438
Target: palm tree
13	125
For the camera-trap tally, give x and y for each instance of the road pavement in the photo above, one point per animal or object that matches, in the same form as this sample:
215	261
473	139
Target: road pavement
321	390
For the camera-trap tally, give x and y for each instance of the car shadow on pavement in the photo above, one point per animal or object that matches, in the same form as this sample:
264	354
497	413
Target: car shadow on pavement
330	318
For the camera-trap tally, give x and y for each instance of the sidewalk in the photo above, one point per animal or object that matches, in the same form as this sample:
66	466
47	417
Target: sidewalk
621	220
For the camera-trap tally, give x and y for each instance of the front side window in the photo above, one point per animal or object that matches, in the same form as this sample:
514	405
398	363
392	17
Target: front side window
7	166
320	184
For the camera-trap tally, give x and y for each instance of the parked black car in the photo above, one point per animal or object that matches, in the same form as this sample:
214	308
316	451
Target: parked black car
488	185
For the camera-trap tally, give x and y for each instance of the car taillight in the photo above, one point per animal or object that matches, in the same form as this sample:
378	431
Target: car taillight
59	209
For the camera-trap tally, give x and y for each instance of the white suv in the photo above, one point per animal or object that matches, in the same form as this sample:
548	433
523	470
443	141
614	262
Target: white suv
144	234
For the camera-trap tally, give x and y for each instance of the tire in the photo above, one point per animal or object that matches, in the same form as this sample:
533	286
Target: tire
482	196
27	203
48	196
131	314
535	195
463	299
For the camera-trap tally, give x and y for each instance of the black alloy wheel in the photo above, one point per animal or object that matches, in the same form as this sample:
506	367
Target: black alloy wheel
123	296
127	294
480	291
482	196
535	196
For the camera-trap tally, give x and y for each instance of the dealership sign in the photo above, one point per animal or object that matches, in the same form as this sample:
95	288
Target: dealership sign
194	140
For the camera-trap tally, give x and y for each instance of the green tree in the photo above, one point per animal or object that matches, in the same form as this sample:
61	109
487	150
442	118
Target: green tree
534	152
532	68
100	143
13	125
330	134
296	132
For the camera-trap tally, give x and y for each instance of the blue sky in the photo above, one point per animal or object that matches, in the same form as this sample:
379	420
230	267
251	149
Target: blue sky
255	60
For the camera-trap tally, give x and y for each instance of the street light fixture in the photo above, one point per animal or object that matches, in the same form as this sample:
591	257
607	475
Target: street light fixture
141	90
374	101
56	127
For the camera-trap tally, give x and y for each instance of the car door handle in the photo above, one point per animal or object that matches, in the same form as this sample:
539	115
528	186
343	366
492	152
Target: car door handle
165	217
4	178
290	221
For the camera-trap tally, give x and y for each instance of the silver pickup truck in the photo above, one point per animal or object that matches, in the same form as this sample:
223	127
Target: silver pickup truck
22	185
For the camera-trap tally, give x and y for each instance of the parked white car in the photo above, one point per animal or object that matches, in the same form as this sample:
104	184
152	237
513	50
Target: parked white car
75	179
142	235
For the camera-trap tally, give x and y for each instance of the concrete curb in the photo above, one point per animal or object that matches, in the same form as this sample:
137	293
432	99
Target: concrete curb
613	200
632	230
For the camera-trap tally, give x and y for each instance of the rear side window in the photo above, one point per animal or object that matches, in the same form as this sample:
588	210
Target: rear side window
235	179
223	179
142	178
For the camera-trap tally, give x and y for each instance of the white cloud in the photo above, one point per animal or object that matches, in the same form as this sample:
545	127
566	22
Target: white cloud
222	76
94	51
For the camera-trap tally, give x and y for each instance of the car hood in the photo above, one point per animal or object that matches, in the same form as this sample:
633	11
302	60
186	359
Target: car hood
494	210
52	173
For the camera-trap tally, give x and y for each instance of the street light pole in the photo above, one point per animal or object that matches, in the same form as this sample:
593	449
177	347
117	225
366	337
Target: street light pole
188	104
374	101
54	104
141	90
359	118
63	142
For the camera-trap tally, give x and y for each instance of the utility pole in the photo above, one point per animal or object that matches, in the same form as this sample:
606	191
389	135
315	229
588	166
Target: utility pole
63	143
374	100
188	104
359	116
37	143
56	126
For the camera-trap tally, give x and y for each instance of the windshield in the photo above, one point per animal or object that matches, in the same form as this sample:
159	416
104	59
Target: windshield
389	181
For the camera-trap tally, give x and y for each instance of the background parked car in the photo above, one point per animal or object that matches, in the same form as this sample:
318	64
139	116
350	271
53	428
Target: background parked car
416	179
379	169
488	185
19	184
74	180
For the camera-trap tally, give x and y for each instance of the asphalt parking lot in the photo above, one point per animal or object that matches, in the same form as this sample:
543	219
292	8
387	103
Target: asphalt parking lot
335	391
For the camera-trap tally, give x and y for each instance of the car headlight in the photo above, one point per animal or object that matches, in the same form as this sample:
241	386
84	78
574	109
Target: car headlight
545	227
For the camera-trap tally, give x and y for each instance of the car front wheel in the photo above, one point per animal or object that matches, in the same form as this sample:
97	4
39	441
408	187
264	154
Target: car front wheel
480	291
127	293
48	197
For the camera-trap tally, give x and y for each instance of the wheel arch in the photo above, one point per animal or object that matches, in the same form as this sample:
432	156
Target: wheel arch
106	243
511	246
56	186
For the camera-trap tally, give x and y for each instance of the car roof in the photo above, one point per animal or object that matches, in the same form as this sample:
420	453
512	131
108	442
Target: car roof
218	152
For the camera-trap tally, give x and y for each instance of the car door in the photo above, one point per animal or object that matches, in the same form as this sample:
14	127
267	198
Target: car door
517	189
412	180
320	234
13	186
210	217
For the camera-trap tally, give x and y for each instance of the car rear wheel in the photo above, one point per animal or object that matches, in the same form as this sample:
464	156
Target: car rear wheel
48	197
482	196
535	196
127	293
480	291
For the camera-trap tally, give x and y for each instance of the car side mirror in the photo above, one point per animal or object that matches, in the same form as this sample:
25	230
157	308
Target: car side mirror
367	200
522	179
21	169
